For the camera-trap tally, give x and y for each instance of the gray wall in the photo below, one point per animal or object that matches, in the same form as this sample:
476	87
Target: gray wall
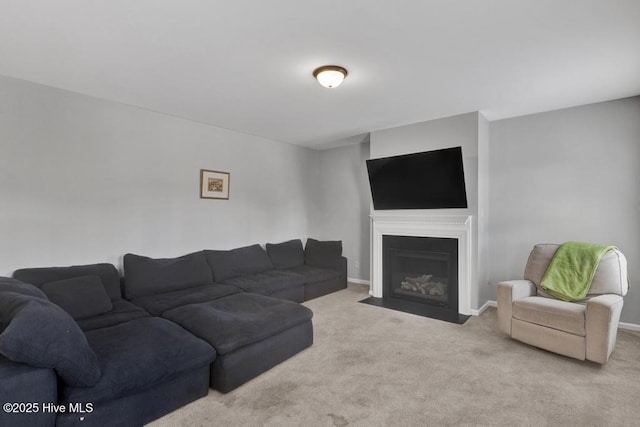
345	201
572	174
85	180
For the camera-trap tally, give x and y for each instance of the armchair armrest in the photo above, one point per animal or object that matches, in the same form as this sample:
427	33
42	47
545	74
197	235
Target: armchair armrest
602	316
508	292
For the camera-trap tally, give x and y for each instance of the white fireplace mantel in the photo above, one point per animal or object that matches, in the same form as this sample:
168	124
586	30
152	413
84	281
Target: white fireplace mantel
420	224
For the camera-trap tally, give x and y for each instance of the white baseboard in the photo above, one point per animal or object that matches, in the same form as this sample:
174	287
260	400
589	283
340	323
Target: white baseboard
486	305
359	281
629	326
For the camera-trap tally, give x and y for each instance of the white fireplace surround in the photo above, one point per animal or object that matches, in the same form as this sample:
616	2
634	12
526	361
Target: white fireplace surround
419	224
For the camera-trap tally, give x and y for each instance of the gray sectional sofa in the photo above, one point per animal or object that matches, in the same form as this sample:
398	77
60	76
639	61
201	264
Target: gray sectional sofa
321	264
207	319
285	270
128	366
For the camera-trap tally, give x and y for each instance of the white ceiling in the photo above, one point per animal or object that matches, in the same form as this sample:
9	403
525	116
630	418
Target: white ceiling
246	64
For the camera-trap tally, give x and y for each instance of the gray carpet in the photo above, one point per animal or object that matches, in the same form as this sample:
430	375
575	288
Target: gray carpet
371	366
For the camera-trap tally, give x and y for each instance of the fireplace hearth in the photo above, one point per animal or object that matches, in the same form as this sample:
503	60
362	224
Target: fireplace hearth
423	310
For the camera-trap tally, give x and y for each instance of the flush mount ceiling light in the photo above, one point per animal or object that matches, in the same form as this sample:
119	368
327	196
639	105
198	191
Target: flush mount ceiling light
330	76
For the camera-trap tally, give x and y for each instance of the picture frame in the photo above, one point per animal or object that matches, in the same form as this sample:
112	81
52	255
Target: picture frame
214	184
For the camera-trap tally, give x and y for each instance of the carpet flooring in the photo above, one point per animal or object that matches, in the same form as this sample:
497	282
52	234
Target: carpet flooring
370	366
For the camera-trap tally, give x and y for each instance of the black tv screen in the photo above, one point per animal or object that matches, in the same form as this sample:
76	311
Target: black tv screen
427	180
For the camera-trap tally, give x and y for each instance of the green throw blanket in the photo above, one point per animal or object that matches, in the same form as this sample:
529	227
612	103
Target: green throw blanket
571	270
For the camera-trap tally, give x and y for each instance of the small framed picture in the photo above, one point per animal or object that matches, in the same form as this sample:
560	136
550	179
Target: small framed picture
214	184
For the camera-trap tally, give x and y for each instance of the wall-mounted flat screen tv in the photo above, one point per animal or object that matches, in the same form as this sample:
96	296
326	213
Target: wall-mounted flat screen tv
427	180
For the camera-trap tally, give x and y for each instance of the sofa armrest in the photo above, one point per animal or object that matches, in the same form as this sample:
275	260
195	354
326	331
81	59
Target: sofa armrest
602	317
508	292
21	383
342	267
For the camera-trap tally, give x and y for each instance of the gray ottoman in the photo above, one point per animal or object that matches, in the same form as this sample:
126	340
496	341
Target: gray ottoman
251	333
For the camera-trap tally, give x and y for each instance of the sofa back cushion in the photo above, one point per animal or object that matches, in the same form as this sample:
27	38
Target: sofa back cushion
107	273
286	254
610	276
150	276
8	284
39	333
81	297
238	262
538	261
324	254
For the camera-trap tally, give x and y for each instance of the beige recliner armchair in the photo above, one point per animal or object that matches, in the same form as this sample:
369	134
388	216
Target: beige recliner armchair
583	330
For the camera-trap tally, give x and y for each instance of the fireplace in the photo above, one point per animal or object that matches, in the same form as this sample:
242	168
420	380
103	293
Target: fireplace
422	270
448	256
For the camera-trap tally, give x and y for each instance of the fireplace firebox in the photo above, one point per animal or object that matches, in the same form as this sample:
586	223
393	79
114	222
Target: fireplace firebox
422	270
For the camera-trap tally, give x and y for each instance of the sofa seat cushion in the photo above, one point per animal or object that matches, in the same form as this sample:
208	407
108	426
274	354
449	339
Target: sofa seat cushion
81	297
139	355
315	274
158	304
268	282
238	262
122	311
552	313
238	320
